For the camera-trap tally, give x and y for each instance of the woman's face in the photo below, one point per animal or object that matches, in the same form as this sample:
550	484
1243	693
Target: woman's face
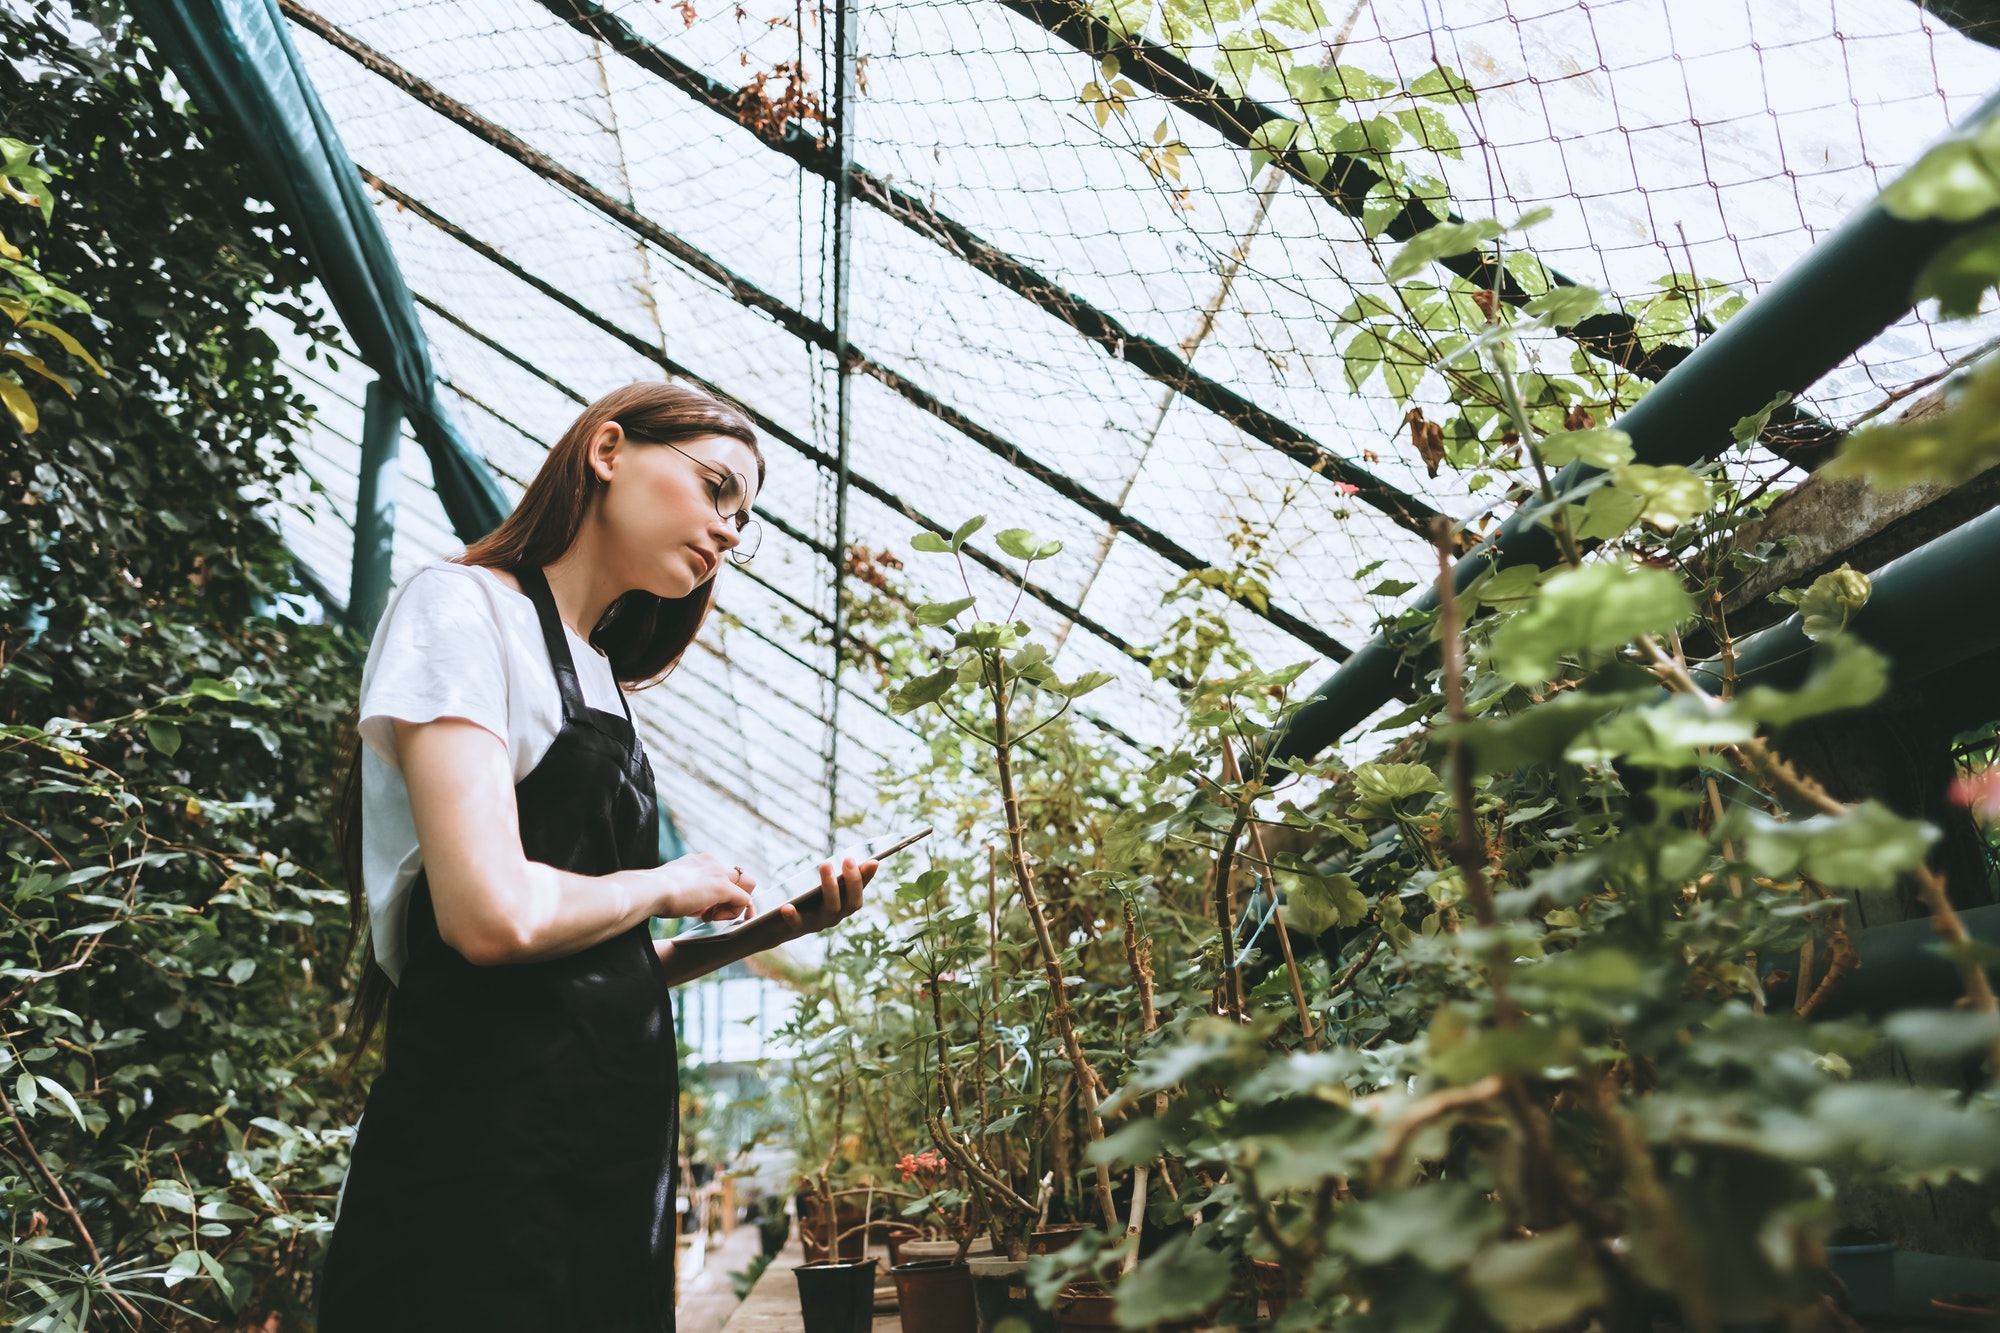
658	509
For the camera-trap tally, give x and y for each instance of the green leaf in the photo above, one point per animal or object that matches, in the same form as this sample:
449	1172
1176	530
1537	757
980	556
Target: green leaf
1024	545
1587	611
1600	448
169	1195
163	736
1668	496
1442	242
61	1094
963	532
1829	603
1750	429
1849	674
1961	273
923	690
1391	588
1547	1281
1565	306
1947	448
1382	790
183	1266
242	970
1669	734
1180	1280
1953	182
1943	1034
1607	513
1440	1226
1540	732
1316	903
930	541
19	405
1443	84
1867	848
223	1211
939	613
1084	684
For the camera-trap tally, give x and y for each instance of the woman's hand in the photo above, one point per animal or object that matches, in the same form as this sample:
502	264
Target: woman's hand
699	885
839	898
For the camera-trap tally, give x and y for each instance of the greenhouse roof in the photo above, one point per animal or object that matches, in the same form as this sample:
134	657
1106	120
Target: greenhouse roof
1110	325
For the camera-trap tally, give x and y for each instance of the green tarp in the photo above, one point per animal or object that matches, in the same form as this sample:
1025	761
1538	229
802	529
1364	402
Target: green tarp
238	63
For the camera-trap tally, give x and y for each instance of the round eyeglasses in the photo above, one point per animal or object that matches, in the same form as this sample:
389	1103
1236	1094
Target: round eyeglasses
731	495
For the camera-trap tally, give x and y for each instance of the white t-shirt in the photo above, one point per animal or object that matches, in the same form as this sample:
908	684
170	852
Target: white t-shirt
457	642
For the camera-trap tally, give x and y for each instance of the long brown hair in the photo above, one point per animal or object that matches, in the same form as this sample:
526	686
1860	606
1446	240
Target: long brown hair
644	636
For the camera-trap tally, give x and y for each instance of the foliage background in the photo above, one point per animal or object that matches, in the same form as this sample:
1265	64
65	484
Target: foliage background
169	931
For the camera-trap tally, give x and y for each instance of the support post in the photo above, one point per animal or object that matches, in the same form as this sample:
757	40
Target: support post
844	22
375	507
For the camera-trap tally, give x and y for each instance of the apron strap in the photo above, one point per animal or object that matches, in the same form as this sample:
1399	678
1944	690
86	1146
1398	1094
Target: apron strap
536	585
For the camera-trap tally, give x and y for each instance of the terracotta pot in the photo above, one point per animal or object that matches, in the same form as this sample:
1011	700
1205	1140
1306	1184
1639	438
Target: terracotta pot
837	1298
1081	1307
1050	1239
916	1251
813	1233
935	1296
1000	1289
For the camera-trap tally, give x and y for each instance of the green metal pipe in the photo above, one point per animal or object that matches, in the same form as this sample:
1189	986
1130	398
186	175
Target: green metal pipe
1851	286
375	507
1901	968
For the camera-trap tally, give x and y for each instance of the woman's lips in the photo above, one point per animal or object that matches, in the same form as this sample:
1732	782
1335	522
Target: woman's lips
708	562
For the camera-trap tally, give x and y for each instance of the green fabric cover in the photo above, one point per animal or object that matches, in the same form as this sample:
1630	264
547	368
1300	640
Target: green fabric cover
238	63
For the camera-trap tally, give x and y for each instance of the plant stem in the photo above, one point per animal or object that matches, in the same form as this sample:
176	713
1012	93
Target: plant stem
63	1203
1017	856
1231	772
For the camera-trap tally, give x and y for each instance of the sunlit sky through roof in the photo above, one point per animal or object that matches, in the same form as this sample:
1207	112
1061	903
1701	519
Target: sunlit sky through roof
1718	137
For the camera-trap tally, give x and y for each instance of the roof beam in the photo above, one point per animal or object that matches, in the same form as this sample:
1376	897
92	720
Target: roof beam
1405	510
1103	330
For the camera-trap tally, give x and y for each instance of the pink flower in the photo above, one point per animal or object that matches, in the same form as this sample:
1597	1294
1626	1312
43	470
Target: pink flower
1979	793
1346	488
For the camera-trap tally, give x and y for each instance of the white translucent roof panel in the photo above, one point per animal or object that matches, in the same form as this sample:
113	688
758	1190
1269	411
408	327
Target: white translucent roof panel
1721	138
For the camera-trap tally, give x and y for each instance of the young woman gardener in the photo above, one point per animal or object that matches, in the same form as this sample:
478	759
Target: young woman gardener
514	1169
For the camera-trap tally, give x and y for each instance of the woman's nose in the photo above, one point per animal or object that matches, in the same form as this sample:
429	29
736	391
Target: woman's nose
725	531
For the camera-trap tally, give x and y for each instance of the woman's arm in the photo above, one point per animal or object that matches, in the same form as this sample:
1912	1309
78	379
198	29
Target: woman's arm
686	959
493	904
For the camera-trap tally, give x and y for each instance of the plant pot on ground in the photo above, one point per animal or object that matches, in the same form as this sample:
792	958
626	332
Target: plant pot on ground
1000	1290
1085	1305
837	1297
935	1296
1047	1240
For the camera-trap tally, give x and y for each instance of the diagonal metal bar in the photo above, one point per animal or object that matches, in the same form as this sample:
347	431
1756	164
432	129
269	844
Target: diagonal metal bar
1151	538
775	430
1406	510
1105	331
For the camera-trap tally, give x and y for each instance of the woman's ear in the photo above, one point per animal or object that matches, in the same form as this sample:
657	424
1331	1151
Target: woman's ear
604	446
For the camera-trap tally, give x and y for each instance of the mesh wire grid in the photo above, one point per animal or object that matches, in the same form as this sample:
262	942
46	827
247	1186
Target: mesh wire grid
1714	141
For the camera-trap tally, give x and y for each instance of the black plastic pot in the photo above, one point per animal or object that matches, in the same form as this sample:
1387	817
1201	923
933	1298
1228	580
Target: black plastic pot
773	1229
837	1297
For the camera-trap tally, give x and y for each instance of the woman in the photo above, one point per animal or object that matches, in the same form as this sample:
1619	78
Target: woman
514	1168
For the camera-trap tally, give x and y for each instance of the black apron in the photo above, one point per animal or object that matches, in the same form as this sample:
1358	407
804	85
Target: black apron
515	1167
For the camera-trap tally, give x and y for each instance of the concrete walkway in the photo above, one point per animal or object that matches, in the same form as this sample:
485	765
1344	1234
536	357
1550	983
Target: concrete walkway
708	1300
773	1306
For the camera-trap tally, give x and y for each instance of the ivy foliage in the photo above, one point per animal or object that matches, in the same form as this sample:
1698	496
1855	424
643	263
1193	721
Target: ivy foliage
173	1113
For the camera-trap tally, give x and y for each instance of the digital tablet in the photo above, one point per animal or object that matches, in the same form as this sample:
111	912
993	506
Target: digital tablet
802	888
